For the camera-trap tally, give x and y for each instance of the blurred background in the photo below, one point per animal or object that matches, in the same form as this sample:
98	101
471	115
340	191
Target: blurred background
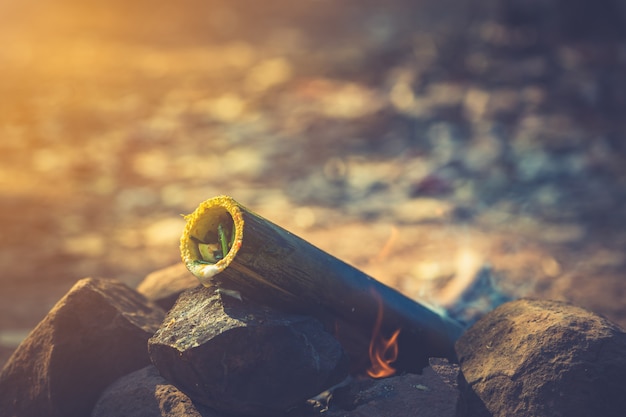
427	142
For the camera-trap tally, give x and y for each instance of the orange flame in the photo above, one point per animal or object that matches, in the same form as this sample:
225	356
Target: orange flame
382	351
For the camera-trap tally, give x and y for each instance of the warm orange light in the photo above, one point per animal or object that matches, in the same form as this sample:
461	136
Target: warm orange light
383	352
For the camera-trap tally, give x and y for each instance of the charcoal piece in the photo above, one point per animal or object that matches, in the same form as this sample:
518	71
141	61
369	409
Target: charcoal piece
145	393
543	358
241	358
95	334
432	394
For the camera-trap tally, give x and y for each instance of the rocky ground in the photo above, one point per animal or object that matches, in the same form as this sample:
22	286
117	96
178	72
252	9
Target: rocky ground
423	144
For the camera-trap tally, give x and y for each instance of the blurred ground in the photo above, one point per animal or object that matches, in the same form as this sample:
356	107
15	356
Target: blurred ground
420	141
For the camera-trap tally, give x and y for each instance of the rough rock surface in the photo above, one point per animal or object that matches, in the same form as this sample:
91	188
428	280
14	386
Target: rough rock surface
241	358
95	334
145	393
543	358
165	285
432	394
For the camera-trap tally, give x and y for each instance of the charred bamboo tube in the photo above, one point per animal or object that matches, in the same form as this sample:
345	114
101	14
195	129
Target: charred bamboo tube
250	257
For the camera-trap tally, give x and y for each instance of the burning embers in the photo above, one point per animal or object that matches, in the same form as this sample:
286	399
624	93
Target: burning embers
382	351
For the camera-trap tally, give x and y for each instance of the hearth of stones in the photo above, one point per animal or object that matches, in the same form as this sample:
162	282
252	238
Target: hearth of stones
243	358
278	321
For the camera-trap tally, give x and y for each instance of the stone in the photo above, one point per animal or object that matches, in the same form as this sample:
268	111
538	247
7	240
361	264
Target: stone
145	393
241	358
432	394
165	285
542	358
95	334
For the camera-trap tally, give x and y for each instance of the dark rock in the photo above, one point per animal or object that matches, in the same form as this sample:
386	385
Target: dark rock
95	334
145	393
448	372
244	359
543	358
432	394
165	285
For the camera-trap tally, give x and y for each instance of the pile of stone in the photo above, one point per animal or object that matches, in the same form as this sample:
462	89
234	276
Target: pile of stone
172	348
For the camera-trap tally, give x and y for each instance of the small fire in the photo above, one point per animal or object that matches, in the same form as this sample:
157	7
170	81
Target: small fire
383	352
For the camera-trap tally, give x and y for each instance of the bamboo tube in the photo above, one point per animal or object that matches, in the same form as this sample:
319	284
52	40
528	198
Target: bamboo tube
269	265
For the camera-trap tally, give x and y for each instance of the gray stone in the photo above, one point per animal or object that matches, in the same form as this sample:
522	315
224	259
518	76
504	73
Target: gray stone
432	394
241	358
145	393
165	285
95	334
542	358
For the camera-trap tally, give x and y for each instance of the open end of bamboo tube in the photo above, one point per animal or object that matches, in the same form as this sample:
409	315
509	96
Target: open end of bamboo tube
212	237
